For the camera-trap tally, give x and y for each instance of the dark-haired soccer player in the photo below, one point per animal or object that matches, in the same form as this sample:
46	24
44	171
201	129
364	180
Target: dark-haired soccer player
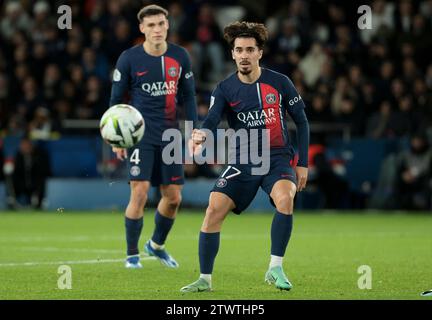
254	98
155	73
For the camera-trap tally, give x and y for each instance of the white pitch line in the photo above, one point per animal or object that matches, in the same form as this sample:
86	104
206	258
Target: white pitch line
94	261
55	249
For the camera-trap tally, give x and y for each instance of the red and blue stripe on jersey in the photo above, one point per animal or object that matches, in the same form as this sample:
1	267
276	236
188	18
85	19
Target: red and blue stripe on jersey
172	72
270	100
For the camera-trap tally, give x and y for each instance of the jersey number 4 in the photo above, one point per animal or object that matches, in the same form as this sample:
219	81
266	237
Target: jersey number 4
135	157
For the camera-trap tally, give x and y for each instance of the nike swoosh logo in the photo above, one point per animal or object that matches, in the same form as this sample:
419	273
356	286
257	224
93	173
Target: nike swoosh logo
233	104
176	178
139	74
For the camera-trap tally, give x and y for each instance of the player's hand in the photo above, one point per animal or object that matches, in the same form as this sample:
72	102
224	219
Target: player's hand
302	174
195	143
121	153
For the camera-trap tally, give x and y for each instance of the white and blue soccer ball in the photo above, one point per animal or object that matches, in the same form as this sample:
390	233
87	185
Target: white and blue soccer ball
122	126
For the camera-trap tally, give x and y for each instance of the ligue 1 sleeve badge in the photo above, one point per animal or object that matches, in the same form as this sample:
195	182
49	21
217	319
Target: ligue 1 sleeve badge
221	183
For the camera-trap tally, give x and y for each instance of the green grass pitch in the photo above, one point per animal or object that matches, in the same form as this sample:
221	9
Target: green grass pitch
322	259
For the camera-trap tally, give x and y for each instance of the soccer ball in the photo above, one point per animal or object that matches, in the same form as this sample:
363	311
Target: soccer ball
122	126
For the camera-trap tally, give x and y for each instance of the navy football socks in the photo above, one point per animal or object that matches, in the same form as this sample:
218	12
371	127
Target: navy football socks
207	250
162	228
133	232
280	233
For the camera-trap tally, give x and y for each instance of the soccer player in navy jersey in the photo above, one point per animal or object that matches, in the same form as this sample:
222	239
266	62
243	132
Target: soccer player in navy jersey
156	74
254	98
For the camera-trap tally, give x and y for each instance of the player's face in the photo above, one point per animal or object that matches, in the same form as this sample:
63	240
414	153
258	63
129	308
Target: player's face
246	55
155	28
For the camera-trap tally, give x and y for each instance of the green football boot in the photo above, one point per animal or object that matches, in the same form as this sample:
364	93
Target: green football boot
276	276
200	285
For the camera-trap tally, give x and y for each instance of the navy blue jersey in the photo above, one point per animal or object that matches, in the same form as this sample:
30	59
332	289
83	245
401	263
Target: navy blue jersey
155	84
262	105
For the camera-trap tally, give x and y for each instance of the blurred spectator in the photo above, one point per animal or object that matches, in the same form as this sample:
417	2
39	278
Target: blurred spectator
177	18
98	40
41	21
383	21
351	115
76	73
368	98
414	175
326	76
404	16
15	19
410	71
73	52
312	64
95	64
206	39
319	110
16	126
31	169
410	118
39	61
42	127
51	82
356	78
383	83
342	89
62	110
288	39
423	99
384	123
95	101
119	40
31	98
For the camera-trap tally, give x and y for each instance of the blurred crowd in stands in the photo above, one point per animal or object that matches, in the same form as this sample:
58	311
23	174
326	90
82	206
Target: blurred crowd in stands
378	81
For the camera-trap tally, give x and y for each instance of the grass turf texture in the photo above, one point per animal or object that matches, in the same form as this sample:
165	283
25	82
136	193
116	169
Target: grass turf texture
322	259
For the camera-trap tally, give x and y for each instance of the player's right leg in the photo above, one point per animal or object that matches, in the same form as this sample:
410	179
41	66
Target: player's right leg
134	221
219	206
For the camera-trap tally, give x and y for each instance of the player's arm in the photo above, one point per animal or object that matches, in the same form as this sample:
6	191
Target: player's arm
214	116
187	90
120	85
295	107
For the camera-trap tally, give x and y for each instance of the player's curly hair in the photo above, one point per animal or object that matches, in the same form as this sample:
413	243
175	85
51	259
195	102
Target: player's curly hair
151	10
246	30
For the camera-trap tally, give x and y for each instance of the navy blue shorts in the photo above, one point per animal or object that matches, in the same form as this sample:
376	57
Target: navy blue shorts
145	164
237	182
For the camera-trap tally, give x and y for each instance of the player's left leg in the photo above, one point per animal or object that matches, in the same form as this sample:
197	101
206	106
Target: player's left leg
220	205
282	194
164	220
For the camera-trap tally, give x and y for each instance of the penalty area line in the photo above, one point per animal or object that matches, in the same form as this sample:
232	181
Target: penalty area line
93	261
